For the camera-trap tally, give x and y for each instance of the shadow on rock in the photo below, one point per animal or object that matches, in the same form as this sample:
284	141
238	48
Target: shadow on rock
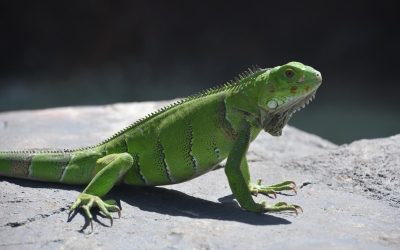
175	203
171	202
41	184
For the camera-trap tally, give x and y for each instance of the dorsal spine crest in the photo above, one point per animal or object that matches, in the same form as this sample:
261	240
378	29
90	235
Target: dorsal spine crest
235	84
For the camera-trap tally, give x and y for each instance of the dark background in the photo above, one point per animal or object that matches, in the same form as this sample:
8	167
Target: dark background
60	53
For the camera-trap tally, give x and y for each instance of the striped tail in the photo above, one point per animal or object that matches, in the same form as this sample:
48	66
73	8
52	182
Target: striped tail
34	165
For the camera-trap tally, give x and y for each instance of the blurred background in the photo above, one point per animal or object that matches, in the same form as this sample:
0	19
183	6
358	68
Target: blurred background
63	53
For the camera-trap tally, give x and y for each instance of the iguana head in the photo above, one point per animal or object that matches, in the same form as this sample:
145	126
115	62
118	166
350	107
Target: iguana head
288	89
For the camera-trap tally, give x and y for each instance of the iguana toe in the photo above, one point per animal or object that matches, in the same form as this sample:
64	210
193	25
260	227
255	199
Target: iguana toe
256	188
282	207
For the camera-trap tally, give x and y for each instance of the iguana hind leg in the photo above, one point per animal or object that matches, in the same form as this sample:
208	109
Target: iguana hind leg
111	169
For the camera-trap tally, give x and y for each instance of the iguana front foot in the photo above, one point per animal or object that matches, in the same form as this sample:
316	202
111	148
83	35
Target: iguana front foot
270	191
281	207
87	201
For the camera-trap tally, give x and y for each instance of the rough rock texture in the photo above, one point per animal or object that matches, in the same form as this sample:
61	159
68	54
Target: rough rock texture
349	193
367	167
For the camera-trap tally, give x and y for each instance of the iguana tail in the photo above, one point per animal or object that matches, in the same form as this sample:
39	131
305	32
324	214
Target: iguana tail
71	167
34	165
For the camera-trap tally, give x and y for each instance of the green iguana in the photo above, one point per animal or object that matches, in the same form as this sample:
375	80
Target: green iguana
182	141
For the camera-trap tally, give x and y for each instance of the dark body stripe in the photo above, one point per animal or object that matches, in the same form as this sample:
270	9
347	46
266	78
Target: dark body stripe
222	121
193	159
136	168
162	161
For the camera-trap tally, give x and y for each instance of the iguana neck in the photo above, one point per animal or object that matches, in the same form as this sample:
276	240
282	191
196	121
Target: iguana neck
274	121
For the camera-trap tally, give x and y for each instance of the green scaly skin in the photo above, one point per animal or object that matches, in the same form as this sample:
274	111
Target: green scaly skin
182	141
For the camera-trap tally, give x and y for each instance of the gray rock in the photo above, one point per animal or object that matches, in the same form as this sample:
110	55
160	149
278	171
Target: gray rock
367	167
349	193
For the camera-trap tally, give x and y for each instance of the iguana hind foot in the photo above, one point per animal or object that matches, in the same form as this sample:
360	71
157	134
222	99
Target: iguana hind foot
88	201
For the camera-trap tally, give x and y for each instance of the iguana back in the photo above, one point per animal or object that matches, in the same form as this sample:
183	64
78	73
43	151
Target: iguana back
174	144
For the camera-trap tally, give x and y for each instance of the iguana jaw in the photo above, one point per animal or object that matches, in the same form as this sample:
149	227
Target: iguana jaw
273	120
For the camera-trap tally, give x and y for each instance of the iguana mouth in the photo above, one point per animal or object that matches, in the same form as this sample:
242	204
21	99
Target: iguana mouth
301	103
274	120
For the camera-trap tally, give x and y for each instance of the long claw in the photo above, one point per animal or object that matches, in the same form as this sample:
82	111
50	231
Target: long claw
274	195
69	214
298	208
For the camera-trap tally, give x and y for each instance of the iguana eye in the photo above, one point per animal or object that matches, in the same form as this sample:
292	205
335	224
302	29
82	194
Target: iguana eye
289	73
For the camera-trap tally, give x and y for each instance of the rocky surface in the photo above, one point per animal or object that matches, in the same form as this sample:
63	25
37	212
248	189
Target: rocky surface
349	193
367	167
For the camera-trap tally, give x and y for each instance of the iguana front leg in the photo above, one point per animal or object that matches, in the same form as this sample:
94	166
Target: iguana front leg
236	169
111	169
